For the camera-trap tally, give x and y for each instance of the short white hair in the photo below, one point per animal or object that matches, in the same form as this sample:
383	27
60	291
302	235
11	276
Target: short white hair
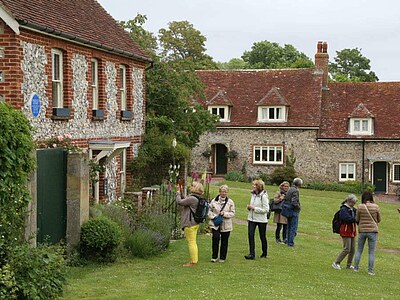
298	182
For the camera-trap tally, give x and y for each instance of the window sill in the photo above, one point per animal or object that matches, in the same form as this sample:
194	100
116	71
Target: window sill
61	113
98	114
268	163
126	115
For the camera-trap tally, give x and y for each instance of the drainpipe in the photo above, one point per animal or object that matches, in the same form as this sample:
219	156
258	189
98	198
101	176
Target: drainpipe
363	166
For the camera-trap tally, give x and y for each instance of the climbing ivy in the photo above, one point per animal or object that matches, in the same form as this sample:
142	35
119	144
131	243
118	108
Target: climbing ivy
16	164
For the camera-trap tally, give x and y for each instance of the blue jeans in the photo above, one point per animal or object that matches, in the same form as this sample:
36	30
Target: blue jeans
362	237
292	224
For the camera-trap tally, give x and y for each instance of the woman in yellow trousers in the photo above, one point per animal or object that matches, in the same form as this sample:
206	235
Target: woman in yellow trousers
189	225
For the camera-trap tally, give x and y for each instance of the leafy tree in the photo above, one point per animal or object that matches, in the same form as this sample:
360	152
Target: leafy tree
181	41
233	64
144	38
171	84
269	55
351	65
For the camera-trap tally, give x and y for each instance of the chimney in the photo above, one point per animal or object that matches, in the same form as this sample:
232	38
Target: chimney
321	62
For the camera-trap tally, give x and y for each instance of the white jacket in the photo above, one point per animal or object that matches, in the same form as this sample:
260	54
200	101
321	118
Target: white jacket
229	213
261	203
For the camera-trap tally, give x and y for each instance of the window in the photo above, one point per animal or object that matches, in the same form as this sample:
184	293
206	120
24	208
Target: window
95	84
396	172
57	77
268	155
347	171
361	126
272	114
221	111
122	88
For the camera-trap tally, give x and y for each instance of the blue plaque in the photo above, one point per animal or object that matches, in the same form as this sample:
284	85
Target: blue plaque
35	105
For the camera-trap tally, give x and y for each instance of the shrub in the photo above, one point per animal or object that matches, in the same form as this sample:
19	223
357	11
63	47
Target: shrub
40	273
100	238
145	243
281	174
8	284
119	215
355	187
161	223
235	176
16	164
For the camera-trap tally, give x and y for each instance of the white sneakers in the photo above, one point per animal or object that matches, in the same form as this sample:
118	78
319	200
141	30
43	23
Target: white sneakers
336	266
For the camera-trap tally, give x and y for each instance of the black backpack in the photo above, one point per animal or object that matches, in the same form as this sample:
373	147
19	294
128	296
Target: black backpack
336	222
201	212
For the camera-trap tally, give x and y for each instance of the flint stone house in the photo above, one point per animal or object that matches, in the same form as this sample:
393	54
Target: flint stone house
336	131
72	70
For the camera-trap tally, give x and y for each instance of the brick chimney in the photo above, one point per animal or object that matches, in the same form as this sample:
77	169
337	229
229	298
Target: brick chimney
321	61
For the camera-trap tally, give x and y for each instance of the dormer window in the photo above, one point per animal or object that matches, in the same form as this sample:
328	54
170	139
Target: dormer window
221	111
361	126
272	114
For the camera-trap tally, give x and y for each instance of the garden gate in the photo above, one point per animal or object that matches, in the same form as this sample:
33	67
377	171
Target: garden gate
51	195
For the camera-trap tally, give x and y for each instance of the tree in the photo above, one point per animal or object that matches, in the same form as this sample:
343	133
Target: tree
269	55
171	84
181	41
233	64
351	65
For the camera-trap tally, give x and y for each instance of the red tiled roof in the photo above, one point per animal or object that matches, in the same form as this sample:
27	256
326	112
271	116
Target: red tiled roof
220	99
301	89
380	100
273	97
77	20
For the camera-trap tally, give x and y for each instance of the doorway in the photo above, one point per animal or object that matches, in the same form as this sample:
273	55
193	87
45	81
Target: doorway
380	177
221	161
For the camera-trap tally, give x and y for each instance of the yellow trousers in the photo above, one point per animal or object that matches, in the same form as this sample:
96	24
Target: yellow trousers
191	238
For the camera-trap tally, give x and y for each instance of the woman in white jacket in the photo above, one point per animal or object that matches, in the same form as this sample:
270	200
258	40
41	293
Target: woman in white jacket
257	217
225	207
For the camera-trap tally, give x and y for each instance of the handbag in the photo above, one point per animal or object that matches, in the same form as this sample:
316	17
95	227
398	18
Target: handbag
287	210
219	219
277	207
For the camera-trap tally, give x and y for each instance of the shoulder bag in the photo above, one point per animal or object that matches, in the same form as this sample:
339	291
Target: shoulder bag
219	219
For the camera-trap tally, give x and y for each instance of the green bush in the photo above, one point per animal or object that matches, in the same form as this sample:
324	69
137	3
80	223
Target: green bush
8	284
39	273
119	215
100	238
145	243
16	163
235	176
353	186
281	174
161	223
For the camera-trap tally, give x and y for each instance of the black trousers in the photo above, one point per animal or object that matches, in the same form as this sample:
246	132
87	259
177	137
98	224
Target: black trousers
218	236
279	226
262	228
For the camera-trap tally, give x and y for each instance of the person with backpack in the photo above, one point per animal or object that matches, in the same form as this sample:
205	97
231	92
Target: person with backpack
189	225
291	210
222	210
348	231
279	219
257	217
367	217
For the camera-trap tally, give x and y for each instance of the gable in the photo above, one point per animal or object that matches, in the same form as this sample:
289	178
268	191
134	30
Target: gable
361	112
219	98
273	98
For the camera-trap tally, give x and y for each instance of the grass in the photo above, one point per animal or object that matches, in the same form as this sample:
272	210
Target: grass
302	272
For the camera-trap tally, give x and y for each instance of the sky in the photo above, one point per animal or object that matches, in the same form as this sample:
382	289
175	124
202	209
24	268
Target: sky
233	26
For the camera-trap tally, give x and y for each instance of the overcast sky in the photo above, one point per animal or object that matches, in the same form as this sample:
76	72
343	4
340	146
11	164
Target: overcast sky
232	26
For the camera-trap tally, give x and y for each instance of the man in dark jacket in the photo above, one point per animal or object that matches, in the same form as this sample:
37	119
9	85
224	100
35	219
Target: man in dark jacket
292	198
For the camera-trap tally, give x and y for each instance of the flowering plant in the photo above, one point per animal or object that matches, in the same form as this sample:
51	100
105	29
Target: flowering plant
59	141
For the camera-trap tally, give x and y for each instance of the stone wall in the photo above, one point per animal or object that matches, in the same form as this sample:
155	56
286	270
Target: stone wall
315	160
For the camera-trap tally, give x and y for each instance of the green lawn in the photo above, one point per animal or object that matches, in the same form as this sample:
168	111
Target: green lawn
302	272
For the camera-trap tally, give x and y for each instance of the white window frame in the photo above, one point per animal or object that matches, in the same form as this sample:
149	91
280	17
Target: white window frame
347	172
268	160
122	171
394	172
219	108
95	83
264	117
122	88
358	129
58	101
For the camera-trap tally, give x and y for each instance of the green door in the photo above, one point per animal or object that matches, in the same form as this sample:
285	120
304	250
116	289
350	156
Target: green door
51	195
380	173
221	159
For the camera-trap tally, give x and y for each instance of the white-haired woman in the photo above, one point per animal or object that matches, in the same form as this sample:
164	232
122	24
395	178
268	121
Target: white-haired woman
224	207
348	231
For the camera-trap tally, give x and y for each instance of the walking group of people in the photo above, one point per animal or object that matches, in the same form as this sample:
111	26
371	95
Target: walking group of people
222	210
367	216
